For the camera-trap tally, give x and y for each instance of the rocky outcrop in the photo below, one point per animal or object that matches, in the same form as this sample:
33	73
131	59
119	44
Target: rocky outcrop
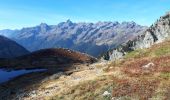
10	49
156	33
90	38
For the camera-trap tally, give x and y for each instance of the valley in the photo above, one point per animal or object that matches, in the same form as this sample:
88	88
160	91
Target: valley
142	74
86	61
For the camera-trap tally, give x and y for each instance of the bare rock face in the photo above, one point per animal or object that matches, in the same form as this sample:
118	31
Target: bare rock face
10	49
156	33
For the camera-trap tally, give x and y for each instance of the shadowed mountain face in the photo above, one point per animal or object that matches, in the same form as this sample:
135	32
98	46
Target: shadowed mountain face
48	58
9	48
90	38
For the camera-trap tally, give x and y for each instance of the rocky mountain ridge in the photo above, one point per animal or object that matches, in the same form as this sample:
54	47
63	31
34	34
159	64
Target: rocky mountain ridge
90	38
156	33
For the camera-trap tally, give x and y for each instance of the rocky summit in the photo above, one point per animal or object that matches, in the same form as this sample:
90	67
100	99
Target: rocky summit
90	38
156	33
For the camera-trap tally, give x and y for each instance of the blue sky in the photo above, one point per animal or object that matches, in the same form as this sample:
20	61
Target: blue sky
15	14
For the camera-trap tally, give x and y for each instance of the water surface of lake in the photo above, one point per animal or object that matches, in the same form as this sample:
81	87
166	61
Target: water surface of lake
7	75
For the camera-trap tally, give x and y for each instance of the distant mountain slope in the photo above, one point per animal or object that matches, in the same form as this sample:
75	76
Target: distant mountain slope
90	38
156	33
48	58
9	48
8	33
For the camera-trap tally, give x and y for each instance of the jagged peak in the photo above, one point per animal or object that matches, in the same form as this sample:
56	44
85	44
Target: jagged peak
69	21
43	24
166	16
131	22
168	13
44	27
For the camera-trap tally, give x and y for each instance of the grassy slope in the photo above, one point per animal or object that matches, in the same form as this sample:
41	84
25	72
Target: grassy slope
139	83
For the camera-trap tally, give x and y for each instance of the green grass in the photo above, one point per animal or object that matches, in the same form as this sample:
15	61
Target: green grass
162	51
157	51
165	75
137	53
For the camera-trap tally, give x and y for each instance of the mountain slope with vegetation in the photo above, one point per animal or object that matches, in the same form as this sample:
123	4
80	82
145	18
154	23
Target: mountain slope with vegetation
142	74
48	58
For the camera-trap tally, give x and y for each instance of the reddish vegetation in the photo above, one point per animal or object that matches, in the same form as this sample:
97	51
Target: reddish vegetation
162	64
48	58
62	53
143	75
135	67
146	75
142	88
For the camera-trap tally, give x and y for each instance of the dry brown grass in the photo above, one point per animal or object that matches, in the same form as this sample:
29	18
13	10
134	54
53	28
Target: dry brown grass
87	90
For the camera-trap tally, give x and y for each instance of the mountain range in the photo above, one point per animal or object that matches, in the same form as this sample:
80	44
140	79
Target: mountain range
91	38
137	66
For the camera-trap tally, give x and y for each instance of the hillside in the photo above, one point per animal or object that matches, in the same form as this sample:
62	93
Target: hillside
10	49
156	33
142	74
48	58
90	38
